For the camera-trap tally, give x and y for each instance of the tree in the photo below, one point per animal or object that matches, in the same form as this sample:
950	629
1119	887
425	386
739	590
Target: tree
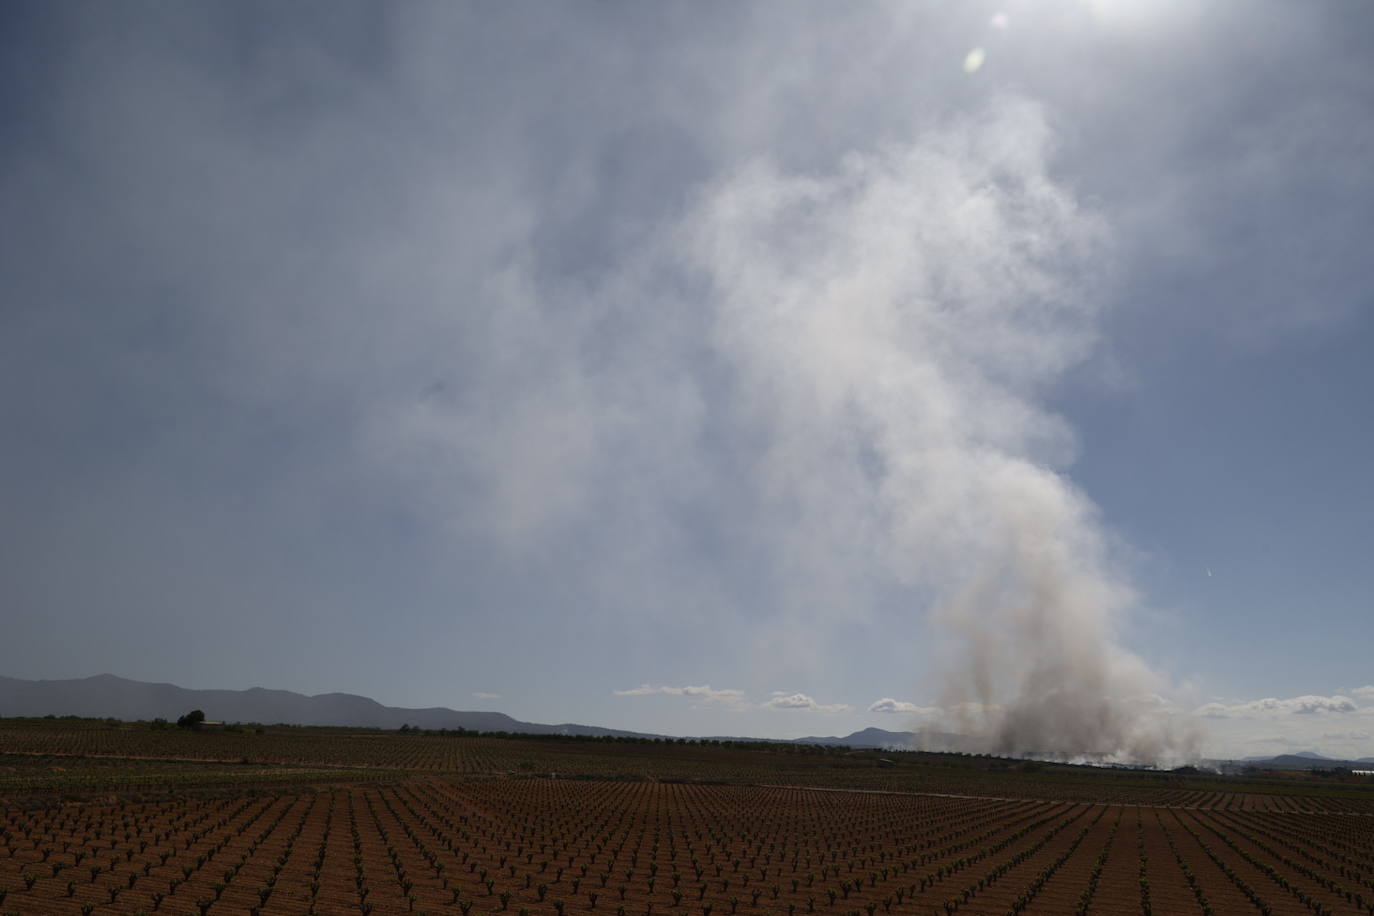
191	720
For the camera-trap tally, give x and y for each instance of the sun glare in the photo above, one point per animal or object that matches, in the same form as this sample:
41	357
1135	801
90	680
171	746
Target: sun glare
1128	14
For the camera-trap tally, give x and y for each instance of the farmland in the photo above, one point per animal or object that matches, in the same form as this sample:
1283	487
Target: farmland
103	817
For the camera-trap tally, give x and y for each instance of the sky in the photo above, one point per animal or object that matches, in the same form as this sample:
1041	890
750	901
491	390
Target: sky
701	368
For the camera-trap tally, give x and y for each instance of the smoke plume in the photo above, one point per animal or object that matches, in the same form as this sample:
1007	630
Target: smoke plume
891	329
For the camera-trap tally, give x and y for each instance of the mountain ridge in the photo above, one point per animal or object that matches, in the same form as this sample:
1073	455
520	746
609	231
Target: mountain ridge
1305	760
110	696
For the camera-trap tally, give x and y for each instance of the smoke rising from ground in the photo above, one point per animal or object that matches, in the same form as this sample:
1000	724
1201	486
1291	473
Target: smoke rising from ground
891	328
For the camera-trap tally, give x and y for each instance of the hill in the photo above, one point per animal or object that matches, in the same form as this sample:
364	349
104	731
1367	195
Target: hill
108	696
886	740
1304	760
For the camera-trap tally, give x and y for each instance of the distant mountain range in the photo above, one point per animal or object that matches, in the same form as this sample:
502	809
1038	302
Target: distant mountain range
1307	760
107	696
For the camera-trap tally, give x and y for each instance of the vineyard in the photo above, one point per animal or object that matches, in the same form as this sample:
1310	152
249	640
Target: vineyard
413	824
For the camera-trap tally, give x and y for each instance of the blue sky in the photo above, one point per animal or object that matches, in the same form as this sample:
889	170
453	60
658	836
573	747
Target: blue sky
706	369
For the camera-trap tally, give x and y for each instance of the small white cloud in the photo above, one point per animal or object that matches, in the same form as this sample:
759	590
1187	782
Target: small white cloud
1271	707
891	706
1364	693
802	701
641	690
483	695
705	692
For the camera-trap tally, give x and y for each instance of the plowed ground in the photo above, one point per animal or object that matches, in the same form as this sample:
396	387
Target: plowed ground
556	846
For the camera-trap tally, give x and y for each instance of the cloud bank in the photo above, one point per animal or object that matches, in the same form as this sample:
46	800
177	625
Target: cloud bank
737	699
705	693
1271	707
1336	726
800	701
889	706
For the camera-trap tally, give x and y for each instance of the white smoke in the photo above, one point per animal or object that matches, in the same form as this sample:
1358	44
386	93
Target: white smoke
1271	707
892	327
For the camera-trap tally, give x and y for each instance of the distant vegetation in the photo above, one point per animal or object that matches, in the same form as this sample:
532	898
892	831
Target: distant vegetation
191	720
460	752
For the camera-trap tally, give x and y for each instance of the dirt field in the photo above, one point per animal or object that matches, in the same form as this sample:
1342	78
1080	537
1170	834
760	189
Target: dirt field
183	837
